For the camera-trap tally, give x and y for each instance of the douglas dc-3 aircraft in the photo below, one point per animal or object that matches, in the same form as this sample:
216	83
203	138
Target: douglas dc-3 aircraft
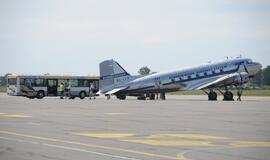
114	80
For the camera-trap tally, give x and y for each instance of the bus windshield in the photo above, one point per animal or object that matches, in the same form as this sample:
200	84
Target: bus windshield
12	81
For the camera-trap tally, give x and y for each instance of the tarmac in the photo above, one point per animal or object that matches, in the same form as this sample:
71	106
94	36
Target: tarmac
180	128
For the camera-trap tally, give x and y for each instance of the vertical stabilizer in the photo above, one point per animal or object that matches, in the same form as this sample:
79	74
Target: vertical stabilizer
110	74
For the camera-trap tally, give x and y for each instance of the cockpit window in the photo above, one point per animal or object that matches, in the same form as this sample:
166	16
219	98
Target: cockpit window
249	61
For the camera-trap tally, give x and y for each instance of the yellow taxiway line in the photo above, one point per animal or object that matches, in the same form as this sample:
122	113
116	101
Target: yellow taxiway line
8	115
90	145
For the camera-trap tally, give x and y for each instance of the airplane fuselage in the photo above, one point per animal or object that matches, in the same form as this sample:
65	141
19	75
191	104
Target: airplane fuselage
191	77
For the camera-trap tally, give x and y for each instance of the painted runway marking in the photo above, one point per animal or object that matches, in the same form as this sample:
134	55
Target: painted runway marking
91	145
70	148
92	152
104	135
186	136
250	144
8	115
173	143
176	140
115	114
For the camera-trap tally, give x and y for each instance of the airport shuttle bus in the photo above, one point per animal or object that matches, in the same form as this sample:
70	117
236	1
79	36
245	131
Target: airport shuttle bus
47	85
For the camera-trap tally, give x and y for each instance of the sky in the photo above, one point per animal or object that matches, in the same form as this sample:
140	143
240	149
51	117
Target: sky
71	37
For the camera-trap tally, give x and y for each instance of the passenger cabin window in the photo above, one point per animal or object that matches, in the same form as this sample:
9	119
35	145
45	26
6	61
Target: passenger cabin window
184	77
201	74
193	76
209	72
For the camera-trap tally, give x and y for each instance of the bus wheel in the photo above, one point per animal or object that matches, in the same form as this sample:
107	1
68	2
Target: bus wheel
40	94
82	95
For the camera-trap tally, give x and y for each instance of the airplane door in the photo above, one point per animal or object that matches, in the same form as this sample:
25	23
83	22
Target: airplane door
52	87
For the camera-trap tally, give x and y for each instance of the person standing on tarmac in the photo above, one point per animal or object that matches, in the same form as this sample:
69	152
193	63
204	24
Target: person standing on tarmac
239	93
62	90
91	91
157	87
67	90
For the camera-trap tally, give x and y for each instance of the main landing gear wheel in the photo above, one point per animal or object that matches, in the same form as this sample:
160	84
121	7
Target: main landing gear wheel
82	95
121	97
228	96
152	96
212	96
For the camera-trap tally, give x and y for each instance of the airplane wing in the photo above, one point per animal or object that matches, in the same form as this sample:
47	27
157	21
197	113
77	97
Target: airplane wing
116	90
221	81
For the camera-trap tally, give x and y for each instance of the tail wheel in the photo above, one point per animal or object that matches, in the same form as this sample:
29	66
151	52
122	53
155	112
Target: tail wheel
40	94
82	95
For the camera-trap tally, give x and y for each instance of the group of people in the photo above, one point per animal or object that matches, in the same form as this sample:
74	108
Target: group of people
65	91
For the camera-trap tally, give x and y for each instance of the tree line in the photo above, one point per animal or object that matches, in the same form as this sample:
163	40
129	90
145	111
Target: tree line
262	78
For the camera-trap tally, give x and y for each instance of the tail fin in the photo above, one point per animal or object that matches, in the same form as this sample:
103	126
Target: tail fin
110	72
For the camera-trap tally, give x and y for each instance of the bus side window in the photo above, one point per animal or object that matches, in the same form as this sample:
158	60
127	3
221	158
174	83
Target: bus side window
83	83
39	82
30	81
62	81
73	82
22	81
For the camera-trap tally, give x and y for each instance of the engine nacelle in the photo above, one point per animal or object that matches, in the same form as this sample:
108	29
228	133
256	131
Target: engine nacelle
242	78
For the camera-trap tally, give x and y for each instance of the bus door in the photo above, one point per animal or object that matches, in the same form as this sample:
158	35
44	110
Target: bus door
52	87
